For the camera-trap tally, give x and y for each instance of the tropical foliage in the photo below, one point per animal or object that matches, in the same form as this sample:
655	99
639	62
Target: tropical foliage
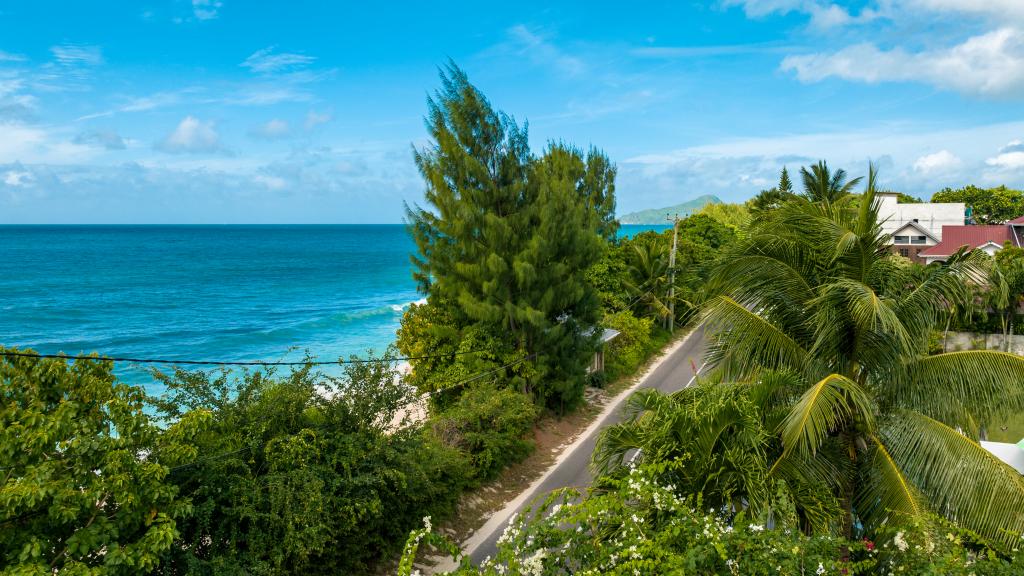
823	338
640	525
304	473
505	239
86	473
988	205
823	185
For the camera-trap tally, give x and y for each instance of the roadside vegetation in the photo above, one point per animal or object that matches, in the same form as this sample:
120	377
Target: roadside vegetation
830	435
302	473
827	436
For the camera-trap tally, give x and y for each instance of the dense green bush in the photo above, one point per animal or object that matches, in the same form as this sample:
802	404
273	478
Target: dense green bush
303	473
84	471
639	526
630	348
490	425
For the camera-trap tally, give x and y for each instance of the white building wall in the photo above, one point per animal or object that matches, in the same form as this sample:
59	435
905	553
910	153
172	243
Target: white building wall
931	217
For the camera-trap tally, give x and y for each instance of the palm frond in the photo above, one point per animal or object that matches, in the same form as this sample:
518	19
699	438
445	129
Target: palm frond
747	343
961	480
884	490
834	402
978	383
813	483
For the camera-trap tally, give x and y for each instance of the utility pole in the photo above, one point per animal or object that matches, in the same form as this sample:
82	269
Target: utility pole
672	275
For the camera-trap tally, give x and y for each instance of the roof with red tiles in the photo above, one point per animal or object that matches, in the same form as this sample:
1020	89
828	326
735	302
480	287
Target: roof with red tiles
1017	220
956	237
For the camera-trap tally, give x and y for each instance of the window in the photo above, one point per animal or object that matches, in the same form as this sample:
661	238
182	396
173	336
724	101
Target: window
905	252
901	239
918	240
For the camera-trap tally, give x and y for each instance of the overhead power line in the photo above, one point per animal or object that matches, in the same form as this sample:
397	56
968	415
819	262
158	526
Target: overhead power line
231	362
410	403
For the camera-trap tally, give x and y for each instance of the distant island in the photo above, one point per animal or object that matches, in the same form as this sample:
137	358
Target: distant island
658	215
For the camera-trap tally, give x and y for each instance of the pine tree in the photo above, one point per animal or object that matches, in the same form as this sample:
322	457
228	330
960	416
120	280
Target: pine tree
507	237
785	185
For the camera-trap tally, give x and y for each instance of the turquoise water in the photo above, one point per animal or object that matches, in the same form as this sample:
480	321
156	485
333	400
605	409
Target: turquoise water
205	292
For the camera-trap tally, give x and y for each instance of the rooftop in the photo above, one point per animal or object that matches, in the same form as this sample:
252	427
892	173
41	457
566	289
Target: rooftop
956	237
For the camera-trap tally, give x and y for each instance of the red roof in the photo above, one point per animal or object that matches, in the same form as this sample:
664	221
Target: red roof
956	237
1017	220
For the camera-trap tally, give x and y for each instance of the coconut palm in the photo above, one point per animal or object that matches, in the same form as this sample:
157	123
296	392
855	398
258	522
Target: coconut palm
862	411
822	185
648	278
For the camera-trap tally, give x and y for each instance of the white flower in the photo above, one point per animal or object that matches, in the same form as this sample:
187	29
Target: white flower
534	565
426	523
899	542
756	528
820	570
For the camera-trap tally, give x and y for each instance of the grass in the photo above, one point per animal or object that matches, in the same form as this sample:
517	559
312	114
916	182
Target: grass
1007	429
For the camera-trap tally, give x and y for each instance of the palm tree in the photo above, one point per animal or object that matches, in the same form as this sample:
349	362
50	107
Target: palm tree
648	278
820	185
828	332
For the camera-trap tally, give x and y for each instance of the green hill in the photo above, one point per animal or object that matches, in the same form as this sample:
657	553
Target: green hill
658	215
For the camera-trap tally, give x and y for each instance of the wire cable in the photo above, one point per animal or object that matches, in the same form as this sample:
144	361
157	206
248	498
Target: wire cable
9	354
410	403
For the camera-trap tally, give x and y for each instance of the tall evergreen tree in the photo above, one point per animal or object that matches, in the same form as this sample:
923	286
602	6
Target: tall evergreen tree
507	237
785	185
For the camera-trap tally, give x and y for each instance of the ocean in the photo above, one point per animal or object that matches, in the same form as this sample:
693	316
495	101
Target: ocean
238	293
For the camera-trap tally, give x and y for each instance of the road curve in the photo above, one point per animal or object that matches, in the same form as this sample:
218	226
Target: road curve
674	372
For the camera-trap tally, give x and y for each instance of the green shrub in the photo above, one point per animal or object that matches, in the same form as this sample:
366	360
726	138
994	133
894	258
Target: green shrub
490	425
76	495
639	526
302	474
631	347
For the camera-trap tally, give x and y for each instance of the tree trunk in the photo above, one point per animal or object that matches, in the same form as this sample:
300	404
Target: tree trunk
946	331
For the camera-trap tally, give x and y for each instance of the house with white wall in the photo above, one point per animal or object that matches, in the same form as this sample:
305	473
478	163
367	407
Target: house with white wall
916	227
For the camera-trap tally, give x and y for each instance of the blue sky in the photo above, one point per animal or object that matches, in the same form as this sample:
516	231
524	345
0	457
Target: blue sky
223	111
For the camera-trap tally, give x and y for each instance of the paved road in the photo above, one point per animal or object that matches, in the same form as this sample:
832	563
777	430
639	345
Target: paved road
674	373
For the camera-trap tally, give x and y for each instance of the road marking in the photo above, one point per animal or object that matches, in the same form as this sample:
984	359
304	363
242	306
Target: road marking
633	458
501	517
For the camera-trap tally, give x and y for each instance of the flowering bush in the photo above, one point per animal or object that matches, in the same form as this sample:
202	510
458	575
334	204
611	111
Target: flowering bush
639	527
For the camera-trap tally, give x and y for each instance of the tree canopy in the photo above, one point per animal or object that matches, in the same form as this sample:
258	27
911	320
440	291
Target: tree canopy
506	237
824	336
85	471
988	205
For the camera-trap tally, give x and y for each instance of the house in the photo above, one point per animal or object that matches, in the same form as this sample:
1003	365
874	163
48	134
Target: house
1011	454
597	364
916	227
990	238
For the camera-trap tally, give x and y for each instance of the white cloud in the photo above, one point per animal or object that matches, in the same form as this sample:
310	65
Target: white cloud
540	50
206	9
823	15
314	119
937	162
191	136
15	103
999	9
18	179
1010	157
72	55
991	64
265	96
144	103
271	130
730	168
9	57
264	61
1007	160
108	139
271	182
